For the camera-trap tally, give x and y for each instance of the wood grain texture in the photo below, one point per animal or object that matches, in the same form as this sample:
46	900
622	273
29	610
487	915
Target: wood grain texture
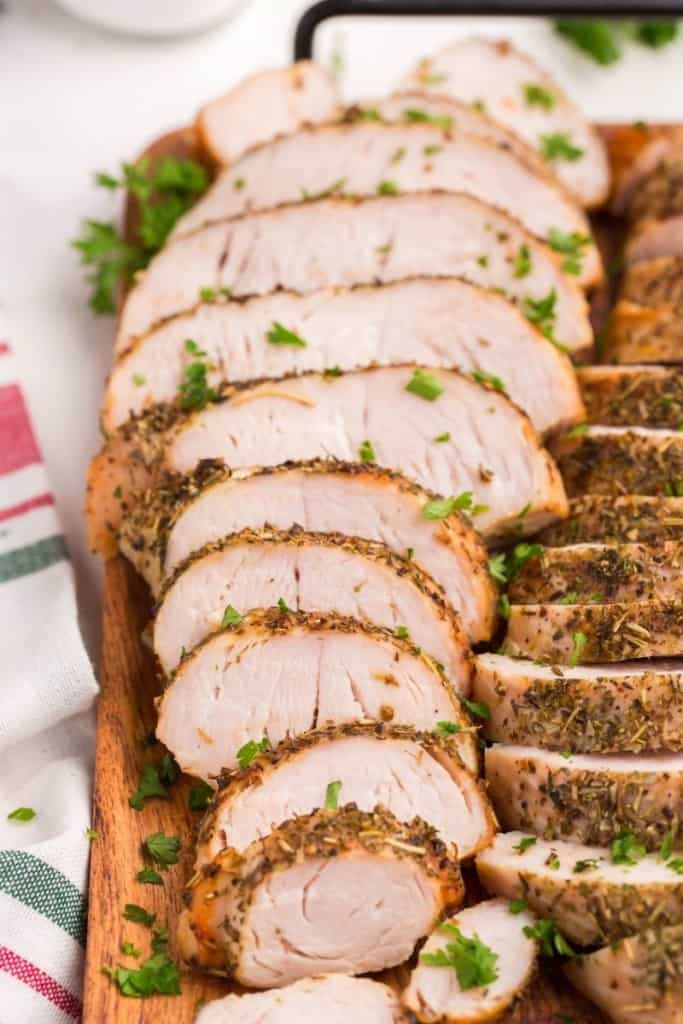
126	715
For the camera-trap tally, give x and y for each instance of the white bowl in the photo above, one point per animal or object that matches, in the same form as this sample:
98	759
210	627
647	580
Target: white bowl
152	17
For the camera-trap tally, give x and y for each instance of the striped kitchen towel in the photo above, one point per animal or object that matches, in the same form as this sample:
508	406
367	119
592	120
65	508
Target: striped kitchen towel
47	699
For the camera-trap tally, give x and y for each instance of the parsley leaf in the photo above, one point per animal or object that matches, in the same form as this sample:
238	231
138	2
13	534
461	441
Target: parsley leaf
676	864
477	708
552	941
441	438
128	949
168	769
482	377
150	785
579	641
524	844
281	335
200	796
590	864
595	38
366	452
332	795
571	597
22	814
231	617
402	632
504	606
570	244
523	262
542	312
133	912
424	384
447	728
656	33
627	849
517	906
505	567
667	846
441	508
148	876
559	146
195	392
387	188
537	96
473	962
251	750
91	834
163	849
155	976
421	116
283	606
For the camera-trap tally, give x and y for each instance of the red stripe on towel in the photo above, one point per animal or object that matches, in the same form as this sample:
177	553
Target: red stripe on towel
40	501
40	982
18	446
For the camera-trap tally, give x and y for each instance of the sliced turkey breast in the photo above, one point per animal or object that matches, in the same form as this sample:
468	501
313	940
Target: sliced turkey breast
339	242
335	998
605	518
591	898
627	708
279	674
435	993
436	321
364	158
265	105
410	773
448	112
596	573
596	632
338	891
655	239
646	323
360	500
587	798
510	87
620	460
440	428
638	980
317	572
639	396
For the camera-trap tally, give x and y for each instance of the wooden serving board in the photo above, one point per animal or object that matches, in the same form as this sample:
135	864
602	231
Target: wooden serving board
126	716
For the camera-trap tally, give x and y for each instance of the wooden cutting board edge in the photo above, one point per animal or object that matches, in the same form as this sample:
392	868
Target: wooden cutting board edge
126	715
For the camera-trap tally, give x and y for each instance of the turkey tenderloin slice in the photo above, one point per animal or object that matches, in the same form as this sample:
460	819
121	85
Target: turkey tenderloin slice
622	460
510	87
647	321
469	438
334	998
436	321
434	994
264	106
410	773
639	396
638	980
631	707
660	194
600	633
596	573
591	899
587	798
655	239
448	112
342	891
360	500
363	157
632	517
316	572
339	242
278	675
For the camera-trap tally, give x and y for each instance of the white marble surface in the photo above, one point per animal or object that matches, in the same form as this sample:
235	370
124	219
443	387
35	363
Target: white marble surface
74	99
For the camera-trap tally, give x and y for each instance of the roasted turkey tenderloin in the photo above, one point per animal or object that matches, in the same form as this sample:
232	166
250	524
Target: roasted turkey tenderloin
646	323
591	899
638	396
510	87
338	242
279	674
599	518
339	891
436	321
408	772
632	707
435	994
654	240
622	460
168	523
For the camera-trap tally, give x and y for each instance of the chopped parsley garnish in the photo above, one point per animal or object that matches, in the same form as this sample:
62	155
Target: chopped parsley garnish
333	371
200	796
150	785
447	728
133	912
578	430
441	508
431	150
168	769
231	617
579	641
483	261
537	96
441	438
570	244
497	567
281	335
118	492
667	846
627	849
473	962
398	155
504	606
402	632
332	795
366	453
593	37
238	184
477	708
444	121
332	190
157	975
91	834
590	864
139	380
523	262
163	193
482	377
542	312
213	294
571	597
163	849
517	906
656	33
366	114
553	861
148	876
425	384
22	814
129	949
250	750
505	567
559	146
195	392
676	864
552	941
525	844
387	188
283	606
